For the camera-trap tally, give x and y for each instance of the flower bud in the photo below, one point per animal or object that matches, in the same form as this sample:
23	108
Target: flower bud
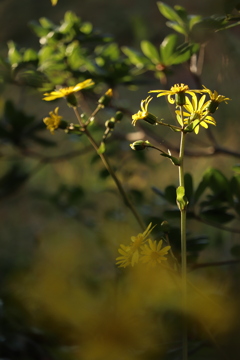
180	98
71	100
106	98
165	227
118	115
110	124
213	105
150	118
63	124
140	145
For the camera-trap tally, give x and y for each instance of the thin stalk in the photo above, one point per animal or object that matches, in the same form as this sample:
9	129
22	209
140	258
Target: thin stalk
107	165
183	244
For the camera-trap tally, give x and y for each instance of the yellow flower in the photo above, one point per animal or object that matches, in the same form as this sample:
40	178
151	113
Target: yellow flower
53	121
144	114
179	91
196	113
68	90
216	99
153	253
130	254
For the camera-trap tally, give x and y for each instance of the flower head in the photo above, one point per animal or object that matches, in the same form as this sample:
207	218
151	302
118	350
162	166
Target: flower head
68	90
144	114
179	91
53	121
215	99
196	113
153	253
130	254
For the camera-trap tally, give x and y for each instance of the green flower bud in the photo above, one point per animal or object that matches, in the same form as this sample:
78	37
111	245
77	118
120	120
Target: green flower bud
165	227
140	145
150	118
63	124
180	98
118	115
212	107
110	124
106	98
71	100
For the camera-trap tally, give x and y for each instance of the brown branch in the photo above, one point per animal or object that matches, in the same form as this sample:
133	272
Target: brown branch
216	263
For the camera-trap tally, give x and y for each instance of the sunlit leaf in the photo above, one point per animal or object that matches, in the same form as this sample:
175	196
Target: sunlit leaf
150	51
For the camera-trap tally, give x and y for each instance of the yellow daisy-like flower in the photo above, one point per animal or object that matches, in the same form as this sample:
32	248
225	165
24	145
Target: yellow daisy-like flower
196	113
179	91
68	90
130	254
53	121
216	99
153	253
143	114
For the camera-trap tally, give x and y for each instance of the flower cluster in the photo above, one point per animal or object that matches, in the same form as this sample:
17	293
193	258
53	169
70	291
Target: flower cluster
142	249
191	112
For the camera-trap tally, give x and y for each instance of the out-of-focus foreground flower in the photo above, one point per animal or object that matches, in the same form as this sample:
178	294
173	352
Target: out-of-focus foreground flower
101	317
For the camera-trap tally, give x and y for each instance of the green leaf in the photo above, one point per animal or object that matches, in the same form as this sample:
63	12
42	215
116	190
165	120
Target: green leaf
14	55
167	48
54	2
236	169
168	12
150	51
176	27
101	148
135	57
170	194
217	215
46	23
197	243
30	55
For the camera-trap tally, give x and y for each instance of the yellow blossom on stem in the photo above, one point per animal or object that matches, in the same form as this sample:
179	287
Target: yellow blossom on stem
216	99
153	253
64	92
53	120
178	91
130	254
196	113
143	114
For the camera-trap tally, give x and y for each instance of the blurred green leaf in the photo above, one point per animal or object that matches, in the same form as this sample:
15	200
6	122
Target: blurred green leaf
54	2
14	55
236	169
167	48
101	148
197	243
170	194
217	215
150	51
169	12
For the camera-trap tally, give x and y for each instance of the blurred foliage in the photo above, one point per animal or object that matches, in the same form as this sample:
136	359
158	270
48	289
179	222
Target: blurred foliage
53	307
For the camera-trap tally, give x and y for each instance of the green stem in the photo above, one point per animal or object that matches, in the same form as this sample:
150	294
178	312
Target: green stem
107	165
183	245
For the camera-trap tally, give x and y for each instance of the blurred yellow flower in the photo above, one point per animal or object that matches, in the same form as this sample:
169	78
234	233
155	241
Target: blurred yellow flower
68	90
178	90
130	254
53	120
143	114
196	113
153	253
